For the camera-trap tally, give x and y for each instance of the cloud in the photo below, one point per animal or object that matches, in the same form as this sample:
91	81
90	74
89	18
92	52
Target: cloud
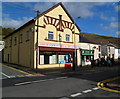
43	6
117	8
12	23
118	33
82	9
103	17
111	26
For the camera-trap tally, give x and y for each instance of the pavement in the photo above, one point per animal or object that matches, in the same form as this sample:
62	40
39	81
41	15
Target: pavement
57	71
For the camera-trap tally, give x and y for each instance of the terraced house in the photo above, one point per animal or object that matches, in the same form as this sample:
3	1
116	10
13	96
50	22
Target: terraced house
49	40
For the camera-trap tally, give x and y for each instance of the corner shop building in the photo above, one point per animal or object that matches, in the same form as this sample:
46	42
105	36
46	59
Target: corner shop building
56	45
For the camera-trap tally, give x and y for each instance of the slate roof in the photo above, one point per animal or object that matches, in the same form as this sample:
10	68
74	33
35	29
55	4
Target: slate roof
100	39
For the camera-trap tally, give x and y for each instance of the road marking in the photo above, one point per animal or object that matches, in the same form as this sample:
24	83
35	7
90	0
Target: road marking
86	91
61	77
12	76
101	84
28	75
96	88
64	98
22	83
77	94
5	75
17	70
20	76
40	80
2	78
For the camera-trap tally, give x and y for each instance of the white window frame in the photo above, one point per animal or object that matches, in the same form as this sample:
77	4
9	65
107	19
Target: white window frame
67	37
52	35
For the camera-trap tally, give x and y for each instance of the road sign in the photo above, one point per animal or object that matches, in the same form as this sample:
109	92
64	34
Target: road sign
2	44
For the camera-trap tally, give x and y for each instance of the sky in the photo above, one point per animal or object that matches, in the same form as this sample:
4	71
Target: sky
96	17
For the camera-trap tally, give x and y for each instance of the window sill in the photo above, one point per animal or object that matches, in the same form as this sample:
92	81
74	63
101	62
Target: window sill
57	41
51	40
20	42
67	42
27	40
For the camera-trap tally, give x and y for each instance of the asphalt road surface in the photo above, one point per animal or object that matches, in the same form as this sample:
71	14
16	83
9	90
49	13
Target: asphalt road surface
61	86
9	72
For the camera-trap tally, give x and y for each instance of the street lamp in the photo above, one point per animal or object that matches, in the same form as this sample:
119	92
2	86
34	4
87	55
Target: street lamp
75	45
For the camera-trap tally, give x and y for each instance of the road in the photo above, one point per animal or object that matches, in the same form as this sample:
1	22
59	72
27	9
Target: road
62	86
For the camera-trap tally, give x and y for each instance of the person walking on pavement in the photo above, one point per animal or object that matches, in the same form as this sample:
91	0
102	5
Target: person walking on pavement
108	61
92	63
112	61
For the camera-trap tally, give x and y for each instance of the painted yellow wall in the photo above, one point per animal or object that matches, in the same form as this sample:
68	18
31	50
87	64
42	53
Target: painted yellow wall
43	33
26	48
7	50
25	53
14	52
21	53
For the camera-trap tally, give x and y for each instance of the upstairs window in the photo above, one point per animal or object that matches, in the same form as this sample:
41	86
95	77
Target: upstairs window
21	38
15	40
99	48
10	42
28	35
50	35
67	38
6	44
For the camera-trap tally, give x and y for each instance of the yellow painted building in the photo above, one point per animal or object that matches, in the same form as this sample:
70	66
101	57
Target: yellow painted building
49	40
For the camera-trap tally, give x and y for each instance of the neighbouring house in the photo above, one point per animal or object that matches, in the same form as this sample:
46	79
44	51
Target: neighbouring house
117	53
89	50
48	40
108	51
96	46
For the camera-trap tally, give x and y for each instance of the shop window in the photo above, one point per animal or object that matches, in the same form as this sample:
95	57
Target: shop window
50	35
54	58
67	37
48	58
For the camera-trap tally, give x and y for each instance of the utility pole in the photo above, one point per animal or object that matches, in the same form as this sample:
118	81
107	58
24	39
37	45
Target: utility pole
75	50
38	12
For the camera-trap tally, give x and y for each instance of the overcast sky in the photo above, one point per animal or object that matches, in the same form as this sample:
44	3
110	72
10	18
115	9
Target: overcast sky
97	18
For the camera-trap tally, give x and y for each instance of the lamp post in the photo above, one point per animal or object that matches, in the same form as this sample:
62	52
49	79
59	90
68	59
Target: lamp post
75	55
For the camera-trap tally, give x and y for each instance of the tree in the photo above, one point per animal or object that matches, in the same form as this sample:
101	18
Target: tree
6	31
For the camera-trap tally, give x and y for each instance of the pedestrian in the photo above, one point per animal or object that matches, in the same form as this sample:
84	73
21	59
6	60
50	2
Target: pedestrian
97	62
92	63
103	61
112	61
108	61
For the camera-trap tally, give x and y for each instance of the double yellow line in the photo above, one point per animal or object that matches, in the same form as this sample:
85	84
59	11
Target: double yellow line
101	84
18	70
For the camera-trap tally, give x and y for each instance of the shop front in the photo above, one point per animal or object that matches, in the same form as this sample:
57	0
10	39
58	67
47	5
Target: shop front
53	55
87	56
